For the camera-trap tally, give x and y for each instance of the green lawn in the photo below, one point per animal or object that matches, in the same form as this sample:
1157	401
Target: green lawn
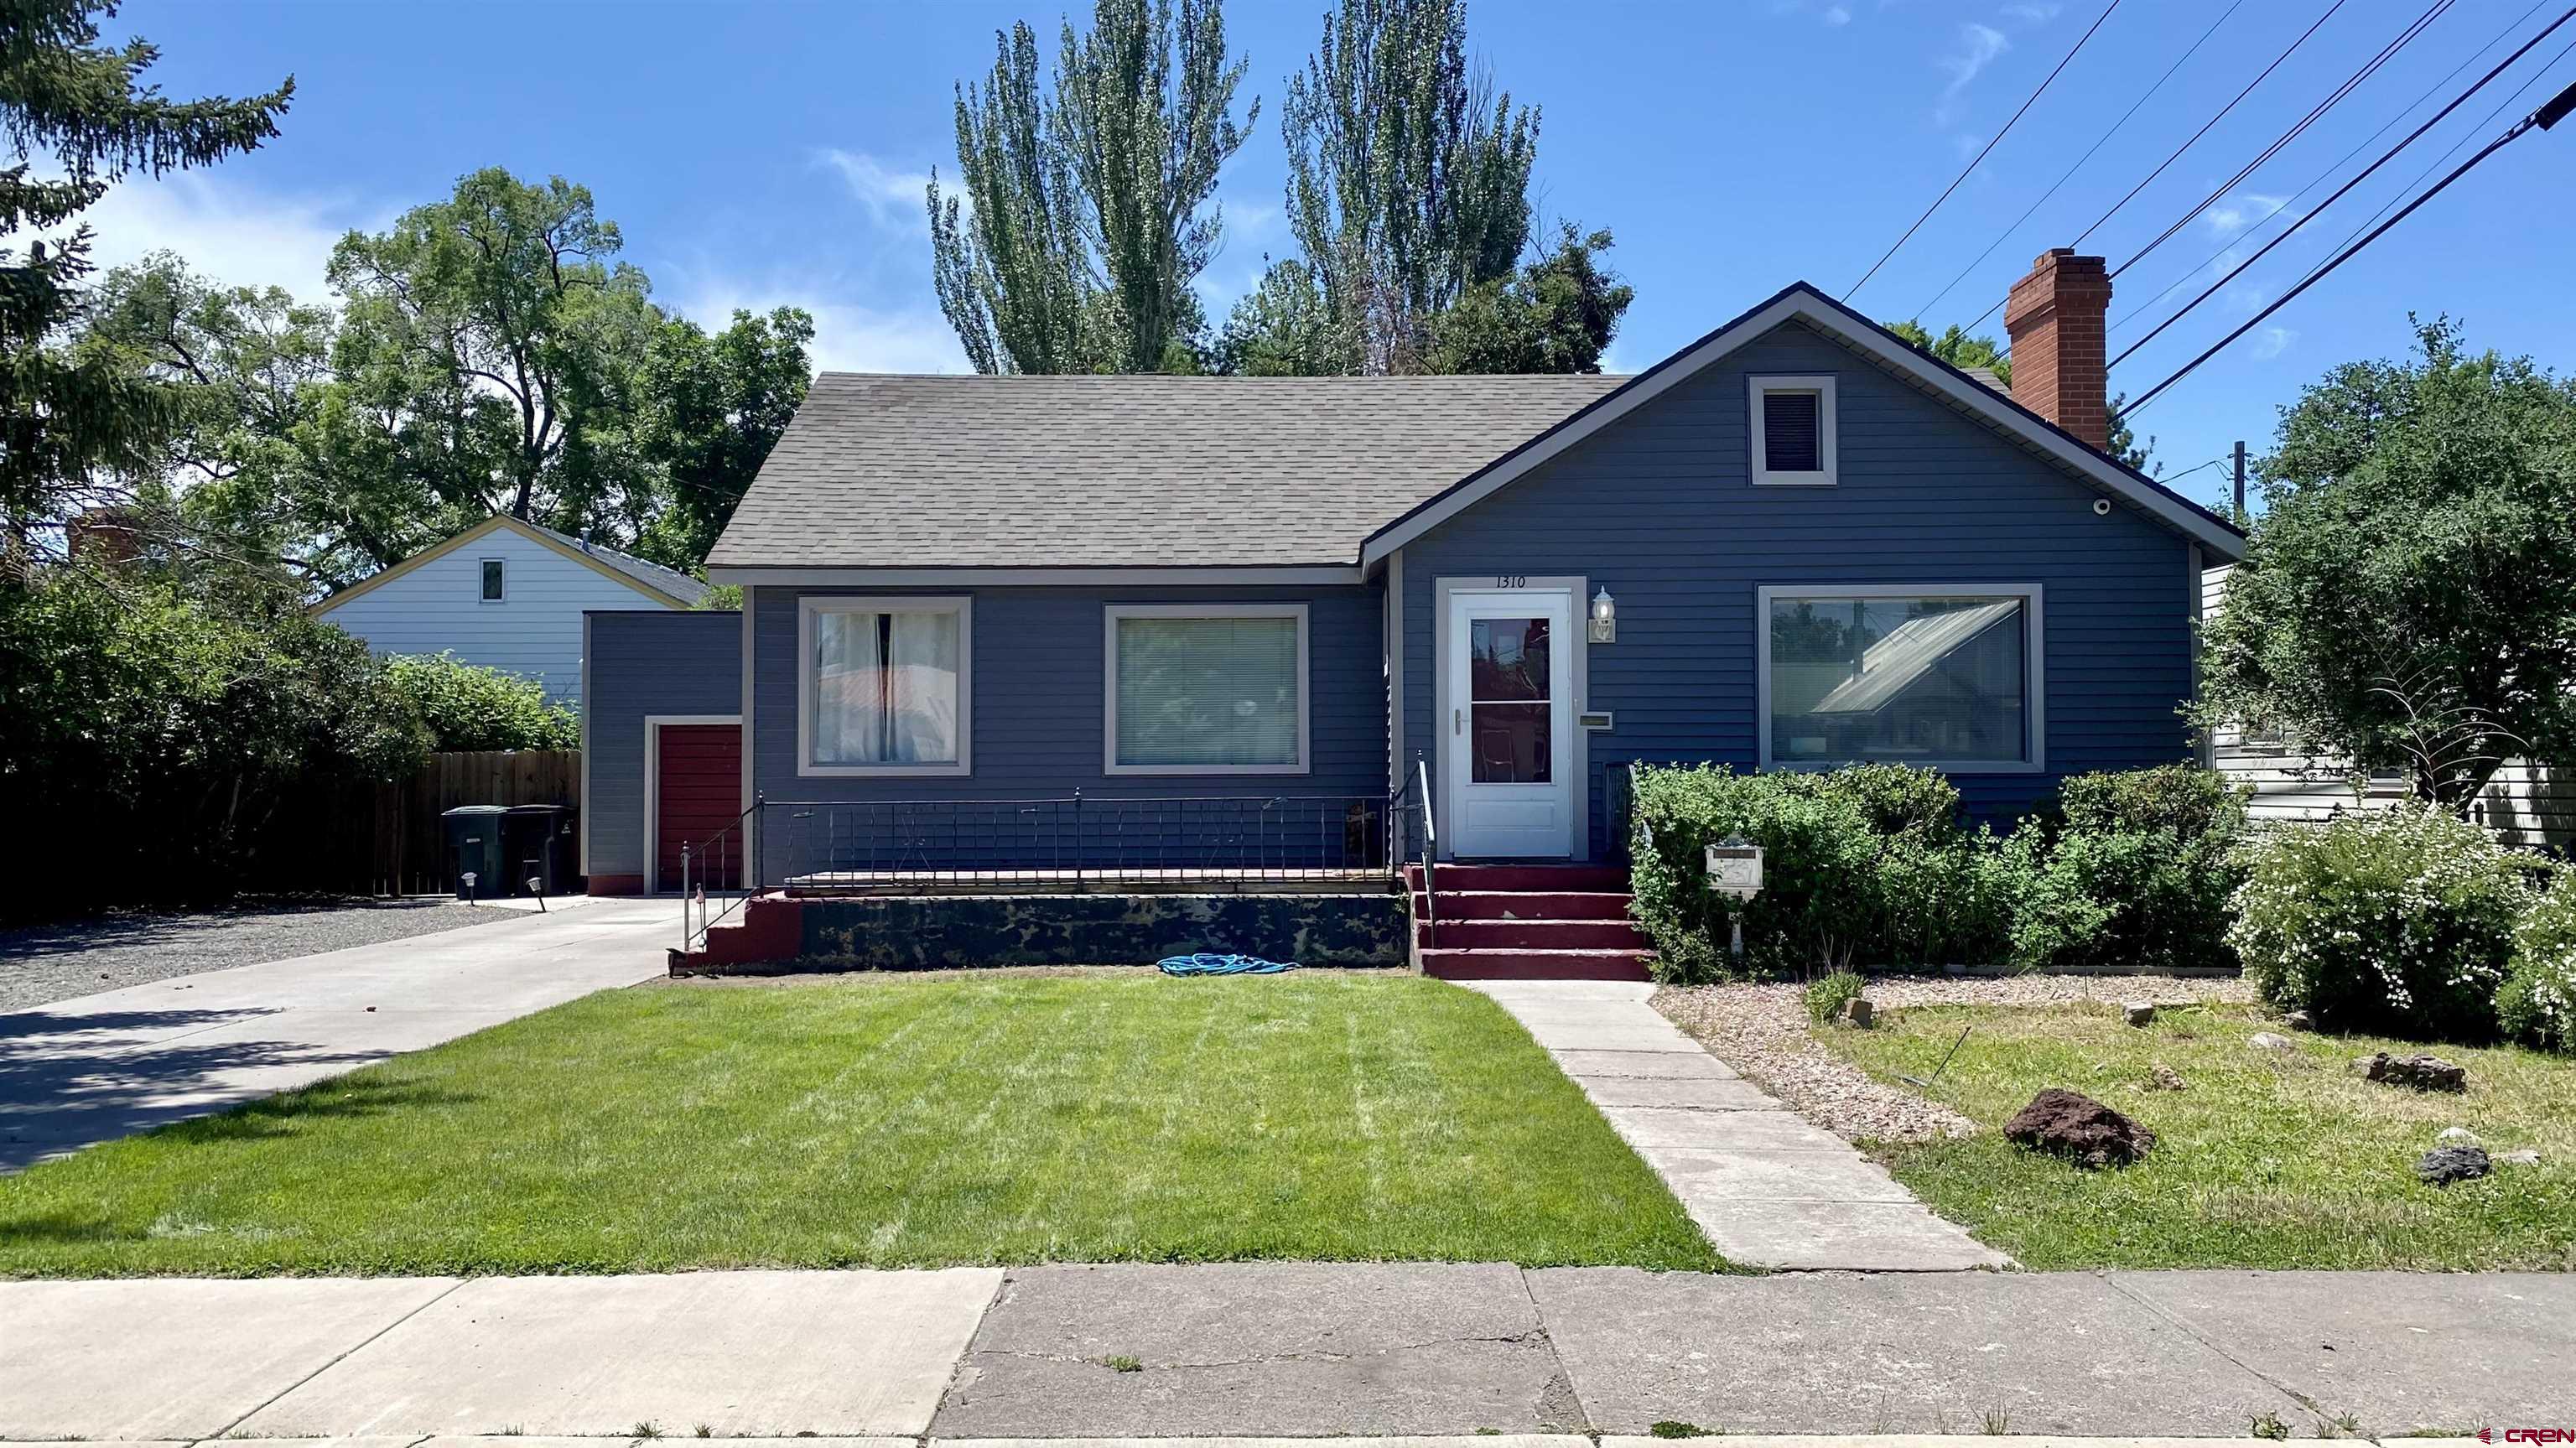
2262	1160
892	1121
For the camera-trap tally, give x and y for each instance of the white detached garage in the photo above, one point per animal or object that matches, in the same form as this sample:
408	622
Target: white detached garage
505	594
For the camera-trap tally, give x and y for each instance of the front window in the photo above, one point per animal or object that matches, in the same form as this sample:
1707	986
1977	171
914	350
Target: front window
1937	677
1195	690
885	686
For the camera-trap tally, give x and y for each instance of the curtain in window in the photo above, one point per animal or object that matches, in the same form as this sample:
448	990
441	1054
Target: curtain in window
885	688
1207	691
1931	679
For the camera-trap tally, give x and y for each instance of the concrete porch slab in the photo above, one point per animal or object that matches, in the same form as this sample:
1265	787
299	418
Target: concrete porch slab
746	1353
1282	1348
76	1350
1909	1353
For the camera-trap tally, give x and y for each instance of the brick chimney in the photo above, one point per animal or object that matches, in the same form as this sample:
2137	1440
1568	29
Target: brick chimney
2057	319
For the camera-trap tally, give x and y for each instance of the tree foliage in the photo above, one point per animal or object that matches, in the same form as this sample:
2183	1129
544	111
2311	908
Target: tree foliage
712	408
1086	209
1955	347
82	108
1557	314
466	706
1408	179
2414	570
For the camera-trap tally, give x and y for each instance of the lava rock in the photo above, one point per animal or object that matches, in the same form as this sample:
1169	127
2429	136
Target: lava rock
1858	1012
2269	1041
2424	1073
2168	1079
2298	1020
2073	1125
2140	1013
2444	1165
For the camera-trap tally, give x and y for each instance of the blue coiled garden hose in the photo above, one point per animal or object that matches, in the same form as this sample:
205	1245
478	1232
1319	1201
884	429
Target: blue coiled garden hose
1205	964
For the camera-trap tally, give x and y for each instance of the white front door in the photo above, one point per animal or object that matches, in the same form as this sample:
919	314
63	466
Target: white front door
1509	738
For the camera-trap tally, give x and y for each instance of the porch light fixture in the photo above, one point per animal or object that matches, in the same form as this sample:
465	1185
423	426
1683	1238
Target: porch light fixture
1605	617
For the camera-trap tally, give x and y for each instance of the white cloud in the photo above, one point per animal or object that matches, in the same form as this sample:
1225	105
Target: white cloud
2271	342
892	195
1979	45
1837	15
2246	209
2032	14
848	336
228	231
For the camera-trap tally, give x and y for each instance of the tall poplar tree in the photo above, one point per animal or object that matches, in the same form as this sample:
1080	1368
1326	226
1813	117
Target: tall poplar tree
1087	209
67	417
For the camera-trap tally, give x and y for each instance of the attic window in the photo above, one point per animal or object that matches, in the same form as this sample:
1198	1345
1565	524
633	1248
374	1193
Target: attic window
1793	431
494	581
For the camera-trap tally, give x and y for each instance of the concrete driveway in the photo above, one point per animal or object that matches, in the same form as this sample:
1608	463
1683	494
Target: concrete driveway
82	1071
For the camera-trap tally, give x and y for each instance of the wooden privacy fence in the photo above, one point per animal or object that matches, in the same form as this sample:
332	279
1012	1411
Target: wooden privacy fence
389	839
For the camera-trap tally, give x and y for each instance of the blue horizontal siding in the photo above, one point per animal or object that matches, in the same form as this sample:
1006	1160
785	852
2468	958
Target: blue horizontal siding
641	663
1660	508
1038	728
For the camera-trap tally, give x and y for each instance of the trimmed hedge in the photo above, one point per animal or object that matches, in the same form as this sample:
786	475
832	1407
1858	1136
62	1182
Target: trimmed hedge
2538	1001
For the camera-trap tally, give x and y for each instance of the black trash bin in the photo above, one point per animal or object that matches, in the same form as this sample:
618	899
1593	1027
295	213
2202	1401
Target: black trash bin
475	853
540	841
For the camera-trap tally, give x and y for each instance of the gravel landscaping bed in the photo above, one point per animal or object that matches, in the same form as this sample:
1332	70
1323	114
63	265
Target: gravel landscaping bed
1761	1030
83	957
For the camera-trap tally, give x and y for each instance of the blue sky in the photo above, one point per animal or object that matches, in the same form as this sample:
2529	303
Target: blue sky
764	153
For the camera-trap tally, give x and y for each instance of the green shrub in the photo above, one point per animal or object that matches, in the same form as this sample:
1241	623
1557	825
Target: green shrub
1817	889
2397	920
2140	875
2538	1001
1828	994
1894	798
467	706
1945	897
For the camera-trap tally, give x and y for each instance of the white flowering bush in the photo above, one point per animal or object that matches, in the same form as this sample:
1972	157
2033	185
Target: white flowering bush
2538	1002
2398	921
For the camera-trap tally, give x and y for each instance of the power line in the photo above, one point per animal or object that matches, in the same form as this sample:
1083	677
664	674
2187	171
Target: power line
2365	174
2134	106
2345	159
2351	83
1970	168
2545	118
2204	129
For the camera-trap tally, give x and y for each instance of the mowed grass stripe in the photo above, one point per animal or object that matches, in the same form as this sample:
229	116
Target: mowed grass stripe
892	1121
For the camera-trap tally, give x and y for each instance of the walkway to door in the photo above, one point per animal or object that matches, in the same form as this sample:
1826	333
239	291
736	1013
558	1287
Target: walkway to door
1769	1189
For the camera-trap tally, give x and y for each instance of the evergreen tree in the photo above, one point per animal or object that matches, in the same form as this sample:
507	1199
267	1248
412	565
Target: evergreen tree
67	418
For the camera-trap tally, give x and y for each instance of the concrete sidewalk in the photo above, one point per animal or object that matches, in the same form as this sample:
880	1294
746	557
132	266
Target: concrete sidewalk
81	1071
1280	1350
1767	1187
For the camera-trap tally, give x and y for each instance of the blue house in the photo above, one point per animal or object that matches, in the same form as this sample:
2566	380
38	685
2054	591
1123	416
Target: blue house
1027	628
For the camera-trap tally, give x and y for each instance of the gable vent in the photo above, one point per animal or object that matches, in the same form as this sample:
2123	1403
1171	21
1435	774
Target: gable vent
1791	438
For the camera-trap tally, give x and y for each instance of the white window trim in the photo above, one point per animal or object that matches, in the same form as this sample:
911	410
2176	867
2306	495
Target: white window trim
2034	657
479	565
1823	386
813	606
1112	613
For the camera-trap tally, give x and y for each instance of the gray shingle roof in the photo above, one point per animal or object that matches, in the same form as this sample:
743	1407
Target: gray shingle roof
1130	471
652	575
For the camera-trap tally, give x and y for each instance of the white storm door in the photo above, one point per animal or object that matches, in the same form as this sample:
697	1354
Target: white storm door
1509	739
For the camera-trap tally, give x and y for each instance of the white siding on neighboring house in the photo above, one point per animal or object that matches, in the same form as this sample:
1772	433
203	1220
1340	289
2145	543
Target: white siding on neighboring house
535	630
2524	804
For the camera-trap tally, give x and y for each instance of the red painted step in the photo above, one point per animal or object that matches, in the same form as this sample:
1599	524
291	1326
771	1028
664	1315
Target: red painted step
1525	905
1543	878
1448	964
1532	934
768	929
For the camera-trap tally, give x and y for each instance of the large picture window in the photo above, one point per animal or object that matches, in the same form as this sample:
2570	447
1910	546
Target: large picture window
1206	689
1944	677
885	686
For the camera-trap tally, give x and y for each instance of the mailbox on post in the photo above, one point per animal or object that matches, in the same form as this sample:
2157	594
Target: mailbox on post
1735	871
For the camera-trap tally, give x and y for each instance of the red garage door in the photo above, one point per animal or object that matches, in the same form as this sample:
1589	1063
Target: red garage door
697	796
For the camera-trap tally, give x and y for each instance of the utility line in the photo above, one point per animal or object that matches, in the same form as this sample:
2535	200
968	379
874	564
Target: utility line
2365	174
2502	106
2017	221
2367	142
2351	83
1970	169
2545	118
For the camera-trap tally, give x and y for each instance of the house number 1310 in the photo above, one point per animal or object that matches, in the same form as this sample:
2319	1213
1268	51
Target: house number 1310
1512	580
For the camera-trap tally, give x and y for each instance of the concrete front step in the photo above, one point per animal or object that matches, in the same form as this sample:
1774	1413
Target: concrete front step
1447	963
1524	904
1531	934
1611	878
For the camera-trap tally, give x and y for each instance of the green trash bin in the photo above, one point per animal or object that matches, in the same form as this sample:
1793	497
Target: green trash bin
475	856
